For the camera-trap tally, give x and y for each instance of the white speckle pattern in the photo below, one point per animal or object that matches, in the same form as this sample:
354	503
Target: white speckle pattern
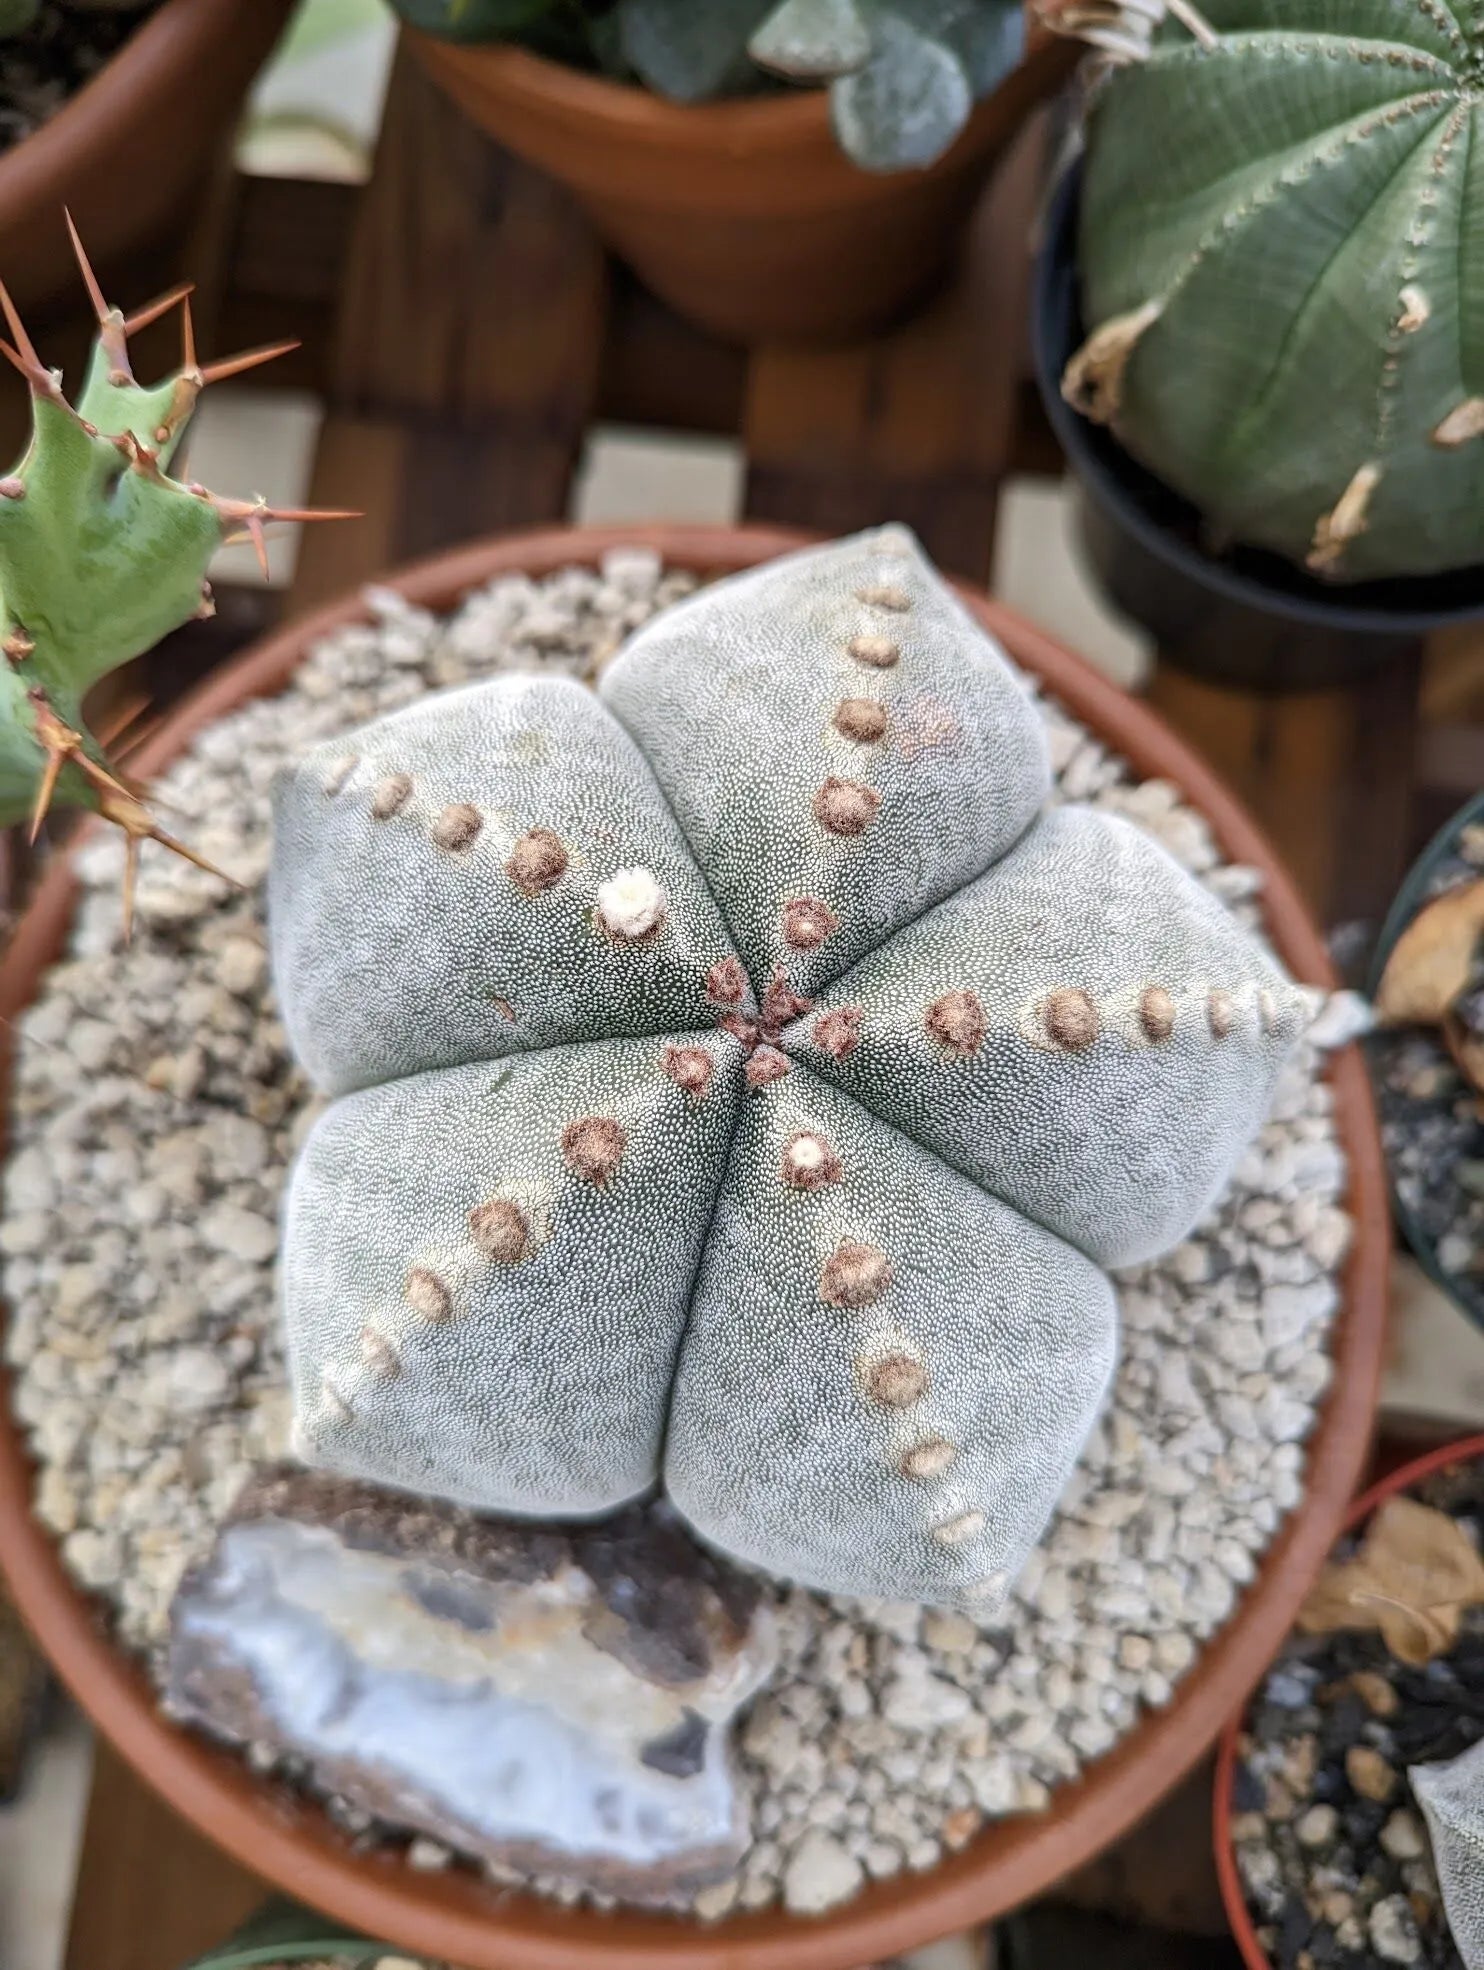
178	1137
1452	1800
690	1324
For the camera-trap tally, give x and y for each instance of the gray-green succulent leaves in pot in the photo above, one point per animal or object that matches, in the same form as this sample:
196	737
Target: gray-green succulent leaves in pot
1283	272
739	1078
903	75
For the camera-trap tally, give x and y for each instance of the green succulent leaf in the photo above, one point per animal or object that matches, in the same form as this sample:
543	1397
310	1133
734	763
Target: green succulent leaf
690	52
812	40
904	108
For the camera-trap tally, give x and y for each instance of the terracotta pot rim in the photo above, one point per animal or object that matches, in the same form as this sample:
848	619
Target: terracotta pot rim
744	131
286	1838
1467	1449
169	43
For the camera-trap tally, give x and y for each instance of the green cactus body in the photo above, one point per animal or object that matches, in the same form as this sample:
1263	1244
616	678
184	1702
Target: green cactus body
742	1082
1283	271
102	553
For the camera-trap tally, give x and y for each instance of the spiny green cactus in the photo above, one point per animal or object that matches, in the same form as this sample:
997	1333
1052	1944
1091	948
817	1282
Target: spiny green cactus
101	554
1283	272
903	75
739	1078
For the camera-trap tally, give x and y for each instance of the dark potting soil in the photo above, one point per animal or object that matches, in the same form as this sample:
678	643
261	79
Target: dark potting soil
1331	1845
1432	1124
51	60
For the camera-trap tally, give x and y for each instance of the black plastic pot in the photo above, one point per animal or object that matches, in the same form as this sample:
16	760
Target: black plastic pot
1428	874
1243	616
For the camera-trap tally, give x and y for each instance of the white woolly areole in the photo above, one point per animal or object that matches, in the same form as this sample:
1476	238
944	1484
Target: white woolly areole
631	902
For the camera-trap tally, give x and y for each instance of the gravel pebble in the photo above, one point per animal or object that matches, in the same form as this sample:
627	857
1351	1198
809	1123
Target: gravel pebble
142	1200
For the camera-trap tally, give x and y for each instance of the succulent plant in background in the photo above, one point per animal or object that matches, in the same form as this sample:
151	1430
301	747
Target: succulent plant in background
1283	279
102	553
903	75
738	1078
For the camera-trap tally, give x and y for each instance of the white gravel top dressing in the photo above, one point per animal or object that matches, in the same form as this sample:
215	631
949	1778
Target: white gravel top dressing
156	1112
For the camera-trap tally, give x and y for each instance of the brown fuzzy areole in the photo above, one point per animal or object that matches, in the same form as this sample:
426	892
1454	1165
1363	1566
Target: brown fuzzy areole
726	982
743	1031
1070	1018
928	1459
781	1003
426	1294
884	595
876	652
340	771
593	1148
807	922
894	1381
1156	1013
861	719
766	1066
854	1275
809	1162
391	795
845	807
457	826
500	1230
689	1068
537	862
960	1530
1221	1014
838	1033
956	1021
378	1356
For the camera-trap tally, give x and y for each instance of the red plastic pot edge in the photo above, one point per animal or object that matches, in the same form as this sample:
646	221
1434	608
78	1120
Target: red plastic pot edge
455	1916
1232	1893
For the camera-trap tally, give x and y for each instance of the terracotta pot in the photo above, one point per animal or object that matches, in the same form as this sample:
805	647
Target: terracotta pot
744	215
286	1838
127	154
1254	1956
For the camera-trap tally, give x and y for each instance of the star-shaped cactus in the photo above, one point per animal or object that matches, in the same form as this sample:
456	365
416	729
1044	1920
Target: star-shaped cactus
741	1080
102	553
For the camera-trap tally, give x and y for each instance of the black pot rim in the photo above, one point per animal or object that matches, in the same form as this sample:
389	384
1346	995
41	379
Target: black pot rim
1408	901
1253	577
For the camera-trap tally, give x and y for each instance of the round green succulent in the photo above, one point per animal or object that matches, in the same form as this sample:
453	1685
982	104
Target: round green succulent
1282	263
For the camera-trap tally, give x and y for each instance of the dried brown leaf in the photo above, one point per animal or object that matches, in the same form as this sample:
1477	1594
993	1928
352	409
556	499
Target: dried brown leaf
1431	962
1416	1572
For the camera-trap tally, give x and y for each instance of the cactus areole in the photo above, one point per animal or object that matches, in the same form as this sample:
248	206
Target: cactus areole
102	553
1283	276
740	1079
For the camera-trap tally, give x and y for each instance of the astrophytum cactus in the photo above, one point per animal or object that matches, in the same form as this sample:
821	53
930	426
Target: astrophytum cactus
1452	1800
740	1080
1283	277
101	553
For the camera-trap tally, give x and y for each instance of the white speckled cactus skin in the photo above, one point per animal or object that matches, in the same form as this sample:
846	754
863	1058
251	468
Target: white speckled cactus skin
1452	1800
743	1083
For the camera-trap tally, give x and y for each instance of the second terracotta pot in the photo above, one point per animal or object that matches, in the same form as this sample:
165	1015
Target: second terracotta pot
127	154
744	215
